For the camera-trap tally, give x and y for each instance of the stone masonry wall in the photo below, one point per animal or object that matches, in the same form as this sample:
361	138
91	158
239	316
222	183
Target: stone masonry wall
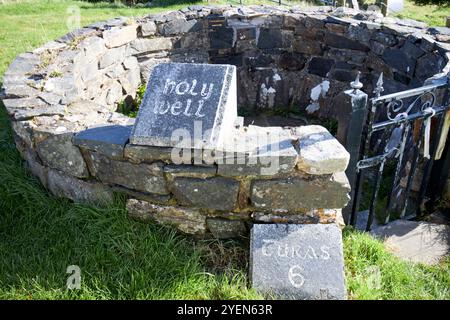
62	99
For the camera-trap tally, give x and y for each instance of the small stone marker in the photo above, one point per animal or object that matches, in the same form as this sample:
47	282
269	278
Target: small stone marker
199	99
297	261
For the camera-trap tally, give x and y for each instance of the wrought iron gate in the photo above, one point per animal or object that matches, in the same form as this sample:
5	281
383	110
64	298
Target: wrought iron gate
405	129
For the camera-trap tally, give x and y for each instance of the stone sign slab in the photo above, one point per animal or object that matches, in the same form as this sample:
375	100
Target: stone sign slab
297	261
186	105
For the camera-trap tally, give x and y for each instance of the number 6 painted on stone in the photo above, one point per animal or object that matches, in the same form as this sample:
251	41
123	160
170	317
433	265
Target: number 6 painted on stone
292	275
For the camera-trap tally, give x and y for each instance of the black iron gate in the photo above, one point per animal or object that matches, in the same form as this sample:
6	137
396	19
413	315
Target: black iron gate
406	130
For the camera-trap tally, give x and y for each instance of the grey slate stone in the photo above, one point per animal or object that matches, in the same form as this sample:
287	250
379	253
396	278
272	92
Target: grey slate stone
150	197
131	63
377	47
320	152
191	171
266	164
429	65
412	50
341	42
213	193
307	46
244	32
148	28
31	158
337	20
427	43
108	140
28	113
116	37
18	91
187	220
141	45
269	38
360	34
130	81
76	34
399	60
63	86
292	61
352	56
265	217
23	129
190	42
78	190
320	66
112	56
178	26
199	99
257	151
138	154
141	177
59	153
51	98
385	39
297	261
221	38
23	63
411	23
225	228
92	48
297	193
439	30
11	78
259	60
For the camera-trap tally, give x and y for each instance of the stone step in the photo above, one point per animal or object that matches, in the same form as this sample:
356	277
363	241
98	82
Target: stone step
416	241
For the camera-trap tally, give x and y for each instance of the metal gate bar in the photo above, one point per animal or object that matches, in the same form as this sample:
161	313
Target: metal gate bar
399	128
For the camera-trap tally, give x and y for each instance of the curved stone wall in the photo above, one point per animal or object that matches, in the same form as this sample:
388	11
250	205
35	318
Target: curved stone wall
62	99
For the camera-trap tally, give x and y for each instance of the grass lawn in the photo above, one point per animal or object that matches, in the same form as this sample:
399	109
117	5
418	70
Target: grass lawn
40	235
432	15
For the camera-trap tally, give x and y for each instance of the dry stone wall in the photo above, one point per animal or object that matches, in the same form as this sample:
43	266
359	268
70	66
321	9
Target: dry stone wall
62	99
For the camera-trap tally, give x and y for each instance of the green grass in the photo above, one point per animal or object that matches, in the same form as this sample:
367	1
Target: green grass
27	24
431	14
41	235
131	109
397	279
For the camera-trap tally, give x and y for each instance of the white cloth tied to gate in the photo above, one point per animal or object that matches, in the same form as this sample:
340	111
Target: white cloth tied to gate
426	136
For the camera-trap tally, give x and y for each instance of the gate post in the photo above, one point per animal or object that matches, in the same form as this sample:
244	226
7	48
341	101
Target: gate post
352	134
